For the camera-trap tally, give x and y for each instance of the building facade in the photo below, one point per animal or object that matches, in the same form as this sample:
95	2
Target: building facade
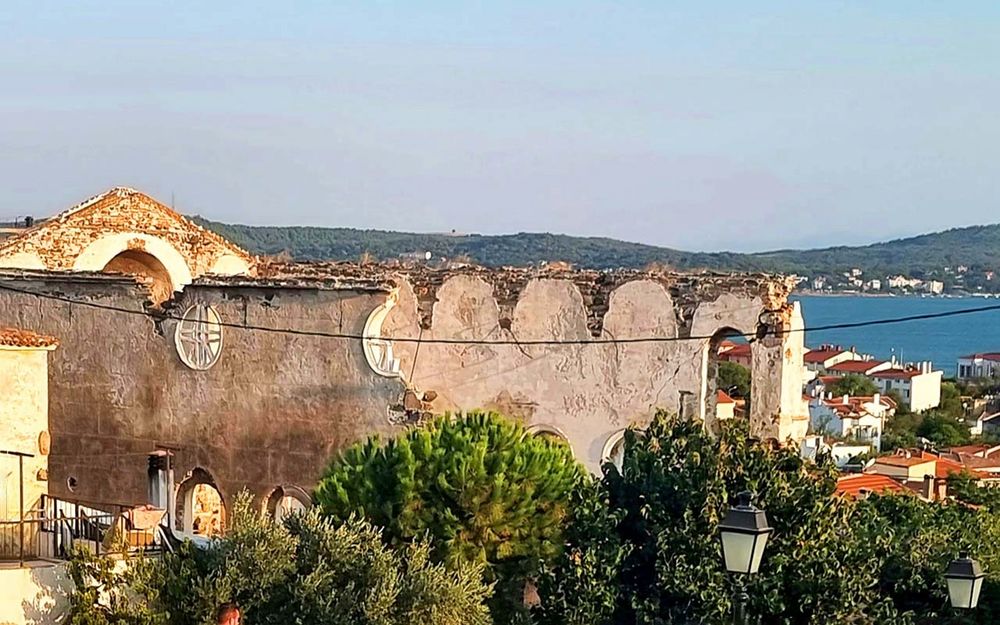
252	374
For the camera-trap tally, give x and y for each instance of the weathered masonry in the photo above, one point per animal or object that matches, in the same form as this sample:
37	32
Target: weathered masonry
180	352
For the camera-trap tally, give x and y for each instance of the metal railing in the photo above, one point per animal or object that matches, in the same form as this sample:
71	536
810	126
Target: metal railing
50	531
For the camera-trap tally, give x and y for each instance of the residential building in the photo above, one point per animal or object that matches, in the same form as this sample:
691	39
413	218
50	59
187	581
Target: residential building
990	425
841	453
873	285
859	418
859	367
905	466
919	386
725	406
934	287
739	353
980	365
826	356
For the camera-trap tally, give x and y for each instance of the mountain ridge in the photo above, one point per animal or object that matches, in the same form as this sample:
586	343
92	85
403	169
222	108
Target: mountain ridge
922	255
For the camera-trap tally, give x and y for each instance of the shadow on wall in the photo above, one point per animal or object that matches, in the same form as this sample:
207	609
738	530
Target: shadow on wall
34	595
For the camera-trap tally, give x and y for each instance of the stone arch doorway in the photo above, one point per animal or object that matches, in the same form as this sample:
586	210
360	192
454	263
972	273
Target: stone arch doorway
286	500
729	375
139	263
201	509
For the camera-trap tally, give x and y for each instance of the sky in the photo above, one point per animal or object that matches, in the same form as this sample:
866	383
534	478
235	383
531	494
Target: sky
703	125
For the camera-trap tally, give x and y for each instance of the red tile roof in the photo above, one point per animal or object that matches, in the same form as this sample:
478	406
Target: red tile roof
738	349
856	366
972	450
854	485
896	374
721	397
817	356
14	337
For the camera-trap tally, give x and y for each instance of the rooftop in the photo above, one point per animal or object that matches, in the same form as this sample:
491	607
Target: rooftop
15	337
857	484
817	356
896	374
722	397
857	366
899	460
992	356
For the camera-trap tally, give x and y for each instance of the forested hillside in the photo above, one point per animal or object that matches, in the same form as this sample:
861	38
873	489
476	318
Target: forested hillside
977	247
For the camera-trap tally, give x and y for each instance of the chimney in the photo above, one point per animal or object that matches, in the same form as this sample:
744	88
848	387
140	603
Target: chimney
161	482
928	488
847	398
877	400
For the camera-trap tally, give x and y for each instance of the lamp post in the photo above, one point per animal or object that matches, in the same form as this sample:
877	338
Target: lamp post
744	532
965	581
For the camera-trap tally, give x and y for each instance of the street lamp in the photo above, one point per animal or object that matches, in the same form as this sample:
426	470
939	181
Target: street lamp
744	533
965	580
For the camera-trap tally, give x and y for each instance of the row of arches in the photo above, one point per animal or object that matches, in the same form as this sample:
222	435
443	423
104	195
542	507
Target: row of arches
200	507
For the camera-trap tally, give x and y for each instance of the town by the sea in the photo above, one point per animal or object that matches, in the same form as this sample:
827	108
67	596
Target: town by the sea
941	341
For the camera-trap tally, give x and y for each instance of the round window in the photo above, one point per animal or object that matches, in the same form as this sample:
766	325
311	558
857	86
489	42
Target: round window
198	337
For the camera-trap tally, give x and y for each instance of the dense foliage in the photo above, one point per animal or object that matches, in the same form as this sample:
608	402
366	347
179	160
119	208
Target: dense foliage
483	489
647	550
305	570
734	379
977	247
643	545
854	385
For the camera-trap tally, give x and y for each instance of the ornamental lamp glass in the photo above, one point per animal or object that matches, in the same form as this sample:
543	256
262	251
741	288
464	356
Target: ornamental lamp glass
744	533
965	581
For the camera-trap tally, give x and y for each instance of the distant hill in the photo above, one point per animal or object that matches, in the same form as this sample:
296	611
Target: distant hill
977	247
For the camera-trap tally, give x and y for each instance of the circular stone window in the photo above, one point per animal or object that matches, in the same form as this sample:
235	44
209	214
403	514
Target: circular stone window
198	337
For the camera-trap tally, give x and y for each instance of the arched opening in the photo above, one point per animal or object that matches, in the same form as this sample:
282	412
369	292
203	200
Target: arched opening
201	510
730	375
550	433
614	450
139	263
285	501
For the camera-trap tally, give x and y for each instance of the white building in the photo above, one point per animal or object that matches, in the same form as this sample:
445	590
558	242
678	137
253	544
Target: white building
986	365
826	356
935	287
919	386
858	418
841	453
902	282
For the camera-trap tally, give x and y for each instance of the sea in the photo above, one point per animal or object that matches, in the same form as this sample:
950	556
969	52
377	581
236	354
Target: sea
941	341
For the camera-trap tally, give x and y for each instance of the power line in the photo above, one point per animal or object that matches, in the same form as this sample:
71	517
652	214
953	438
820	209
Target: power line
419	340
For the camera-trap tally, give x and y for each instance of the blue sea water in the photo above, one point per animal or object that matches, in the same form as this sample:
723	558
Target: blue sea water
941	341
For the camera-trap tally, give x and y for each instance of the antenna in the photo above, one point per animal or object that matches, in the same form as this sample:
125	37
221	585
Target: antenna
172	201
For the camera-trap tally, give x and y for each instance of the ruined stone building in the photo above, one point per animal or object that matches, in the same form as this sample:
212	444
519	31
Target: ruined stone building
173	338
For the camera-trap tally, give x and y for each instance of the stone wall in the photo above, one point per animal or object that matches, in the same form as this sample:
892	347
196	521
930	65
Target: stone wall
275	406
270	412
589	391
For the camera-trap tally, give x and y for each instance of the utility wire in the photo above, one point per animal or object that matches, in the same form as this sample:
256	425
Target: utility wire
440	341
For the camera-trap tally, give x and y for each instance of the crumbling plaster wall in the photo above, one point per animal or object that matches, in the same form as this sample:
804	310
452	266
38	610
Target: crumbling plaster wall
588	391
270	412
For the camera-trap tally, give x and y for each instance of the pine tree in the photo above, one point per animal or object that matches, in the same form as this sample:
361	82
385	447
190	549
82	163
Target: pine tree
479	485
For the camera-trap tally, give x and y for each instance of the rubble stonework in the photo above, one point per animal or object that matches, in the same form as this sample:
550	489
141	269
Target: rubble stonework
107	227
275	406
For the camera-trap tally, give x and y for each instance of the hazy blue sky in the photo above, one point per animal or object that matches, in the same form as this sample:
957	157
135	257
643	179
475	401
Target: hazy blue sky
700	125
